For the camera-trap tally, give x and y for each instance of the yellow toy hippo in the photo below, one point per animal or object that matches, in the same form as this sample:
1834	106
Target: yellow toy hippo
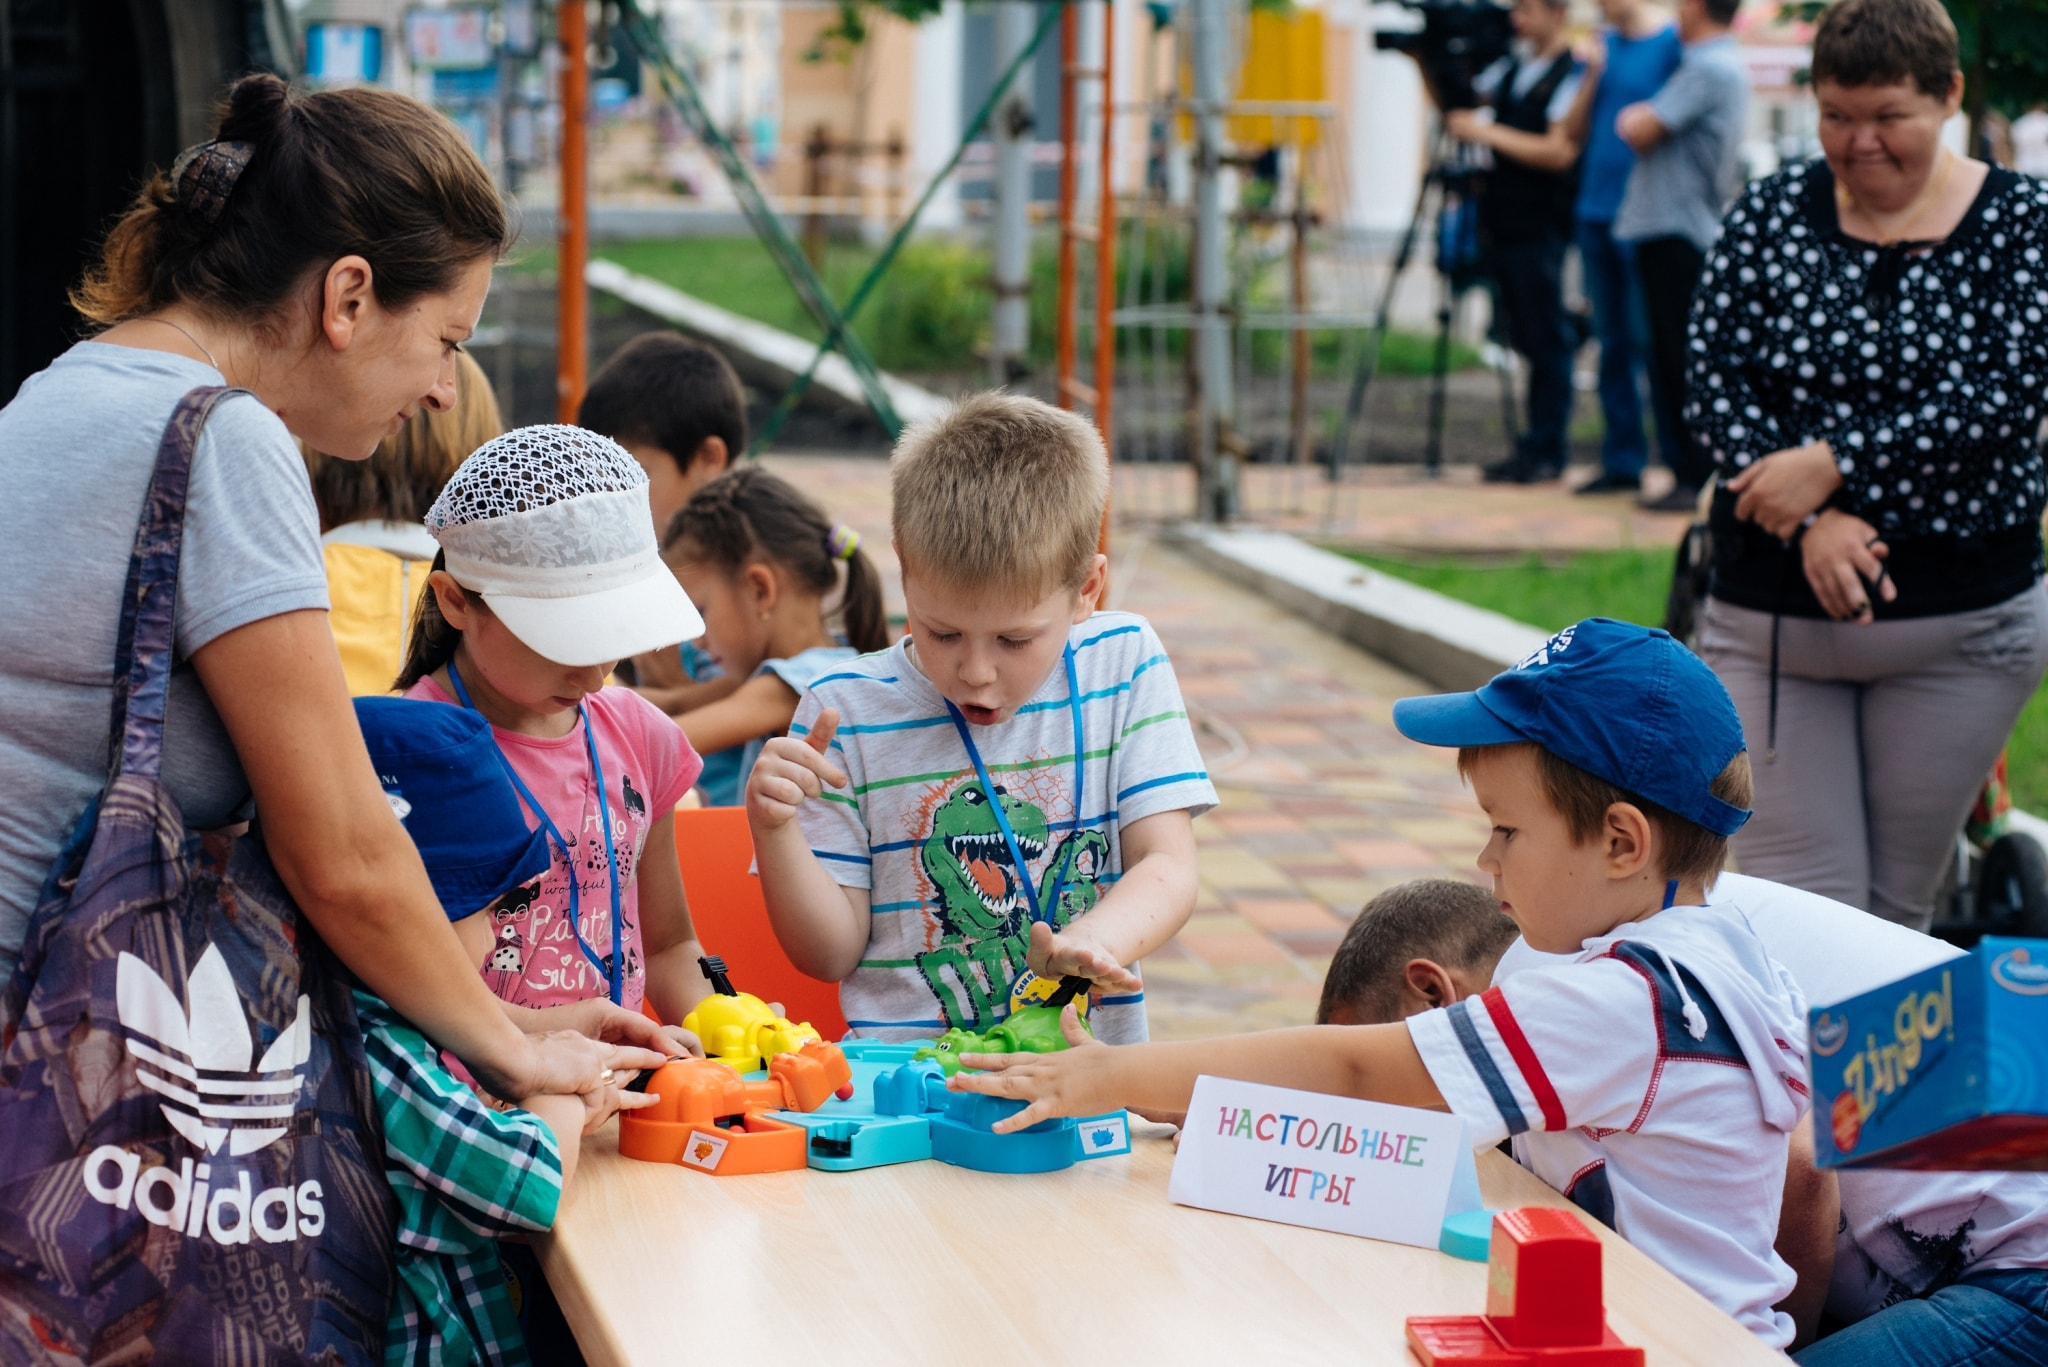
738	1028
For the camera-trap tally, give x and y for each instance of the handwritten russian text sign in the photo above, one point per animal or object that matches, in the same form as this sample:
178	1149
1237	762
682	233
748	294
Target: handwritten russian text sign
1328	1162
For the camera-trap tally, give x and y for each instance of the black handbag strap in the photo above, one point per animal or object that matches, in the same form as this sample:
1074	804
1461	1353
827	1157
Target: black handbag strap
147	645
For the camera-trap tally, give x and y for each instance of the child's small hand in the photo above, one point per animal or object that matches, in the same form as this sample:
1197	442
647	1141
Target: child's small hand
1071	953
607	1101
1077	1081
683	1042
791	769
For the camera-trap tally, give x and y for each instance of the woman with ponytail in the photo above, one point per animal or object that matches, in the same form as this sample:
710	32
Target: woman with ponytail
321	260
761	562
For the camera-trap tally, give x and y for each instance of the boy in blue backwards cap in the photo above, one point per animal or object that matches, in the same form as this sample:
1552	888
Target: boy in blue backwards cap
1656	1076
467	1171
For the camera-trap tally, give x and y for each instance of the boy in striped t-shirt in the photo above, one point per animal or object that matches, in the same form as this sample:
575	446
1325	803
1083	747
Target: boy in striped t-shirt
1006	796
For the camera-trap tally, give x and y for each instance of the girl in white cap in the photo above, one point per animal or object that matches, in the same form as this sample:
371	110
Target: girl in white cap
548	574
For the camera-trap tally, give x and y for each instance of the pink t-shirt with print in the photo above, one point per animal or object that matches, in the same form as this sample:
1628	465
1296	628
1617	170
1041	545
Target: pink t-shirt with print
648	766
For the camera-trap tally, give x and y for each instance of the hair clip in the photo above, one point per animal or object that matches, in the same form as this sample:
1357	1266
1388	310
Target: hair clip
842	541
203	177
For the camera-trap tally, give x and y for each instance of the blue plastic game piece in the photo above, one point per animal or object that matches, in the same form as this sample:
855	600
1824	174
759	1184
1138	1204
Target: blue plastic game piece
1468	1235
962	1135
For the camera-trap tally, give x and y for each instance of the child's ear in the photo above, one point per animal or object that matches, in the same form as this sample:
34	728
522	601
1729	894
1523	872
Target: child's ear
761	585
455	606
1427	984
710	452
1088	597
1627	834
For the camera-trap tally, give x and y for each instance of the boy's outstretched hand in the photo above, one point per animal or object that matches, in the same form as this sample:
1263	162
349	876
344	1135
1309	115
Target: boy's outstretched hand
1077	1081
790	769
1072	953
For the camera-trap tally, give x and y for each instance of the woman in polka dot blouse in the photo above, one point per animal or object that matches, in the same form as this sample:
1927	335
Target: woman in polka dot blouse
1868	361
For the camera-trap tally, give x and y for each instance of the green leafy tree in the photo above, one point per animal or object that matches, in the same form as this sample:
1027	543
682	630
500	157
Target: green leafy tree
2004	49
2005	53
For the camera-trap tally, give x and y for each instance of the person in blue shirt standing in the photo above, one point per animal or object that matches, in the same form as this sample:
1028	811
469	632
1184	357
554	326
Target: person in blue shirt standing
1687	140
1635	57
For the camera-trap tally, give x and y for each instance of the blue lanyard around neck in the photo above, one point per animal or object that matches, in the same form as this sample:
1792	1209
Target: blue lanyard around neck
616	972
1040	911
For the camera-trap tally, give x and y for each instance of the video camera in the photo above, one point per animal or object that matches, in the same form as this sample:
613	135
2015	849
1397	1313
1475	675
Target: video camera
1458	40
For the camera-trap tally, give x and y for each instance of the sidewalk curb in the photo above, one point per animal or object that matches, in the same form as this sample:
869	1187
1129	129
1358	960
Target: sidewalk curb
1446	643
756	346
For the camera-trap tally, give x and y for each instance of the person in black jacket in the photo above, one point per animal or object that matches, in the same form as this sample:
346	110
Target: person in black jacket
1526	218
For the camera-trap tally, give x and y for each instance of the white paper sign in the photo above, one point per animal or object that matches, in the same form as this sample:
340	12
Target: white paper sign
1328	1162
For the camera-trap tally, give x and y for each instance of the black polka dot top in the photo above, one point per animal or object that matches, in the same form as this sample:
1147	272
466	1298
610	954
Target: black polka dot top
1922	367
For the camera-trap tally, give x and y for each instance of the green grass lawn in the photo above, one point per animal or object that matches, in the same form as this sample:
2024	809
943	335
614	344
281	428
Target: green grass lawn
930	314
1630	585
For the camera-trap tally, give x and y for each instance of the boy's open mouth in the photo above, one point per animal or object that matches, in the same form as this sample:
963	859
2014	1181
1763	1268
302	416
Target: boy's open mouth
980	716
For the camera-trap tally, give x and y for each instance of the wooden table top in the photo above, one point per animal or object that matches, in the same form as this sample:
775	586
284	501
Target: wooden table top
925	1262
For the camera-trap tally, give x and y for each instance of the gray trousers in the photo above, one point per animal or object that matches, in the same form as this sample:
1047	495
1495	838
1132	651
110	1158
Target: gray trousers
1885	735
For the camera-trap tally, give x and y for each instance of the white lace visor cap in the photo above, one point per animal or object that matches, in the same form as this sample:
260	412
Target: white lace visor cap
580	580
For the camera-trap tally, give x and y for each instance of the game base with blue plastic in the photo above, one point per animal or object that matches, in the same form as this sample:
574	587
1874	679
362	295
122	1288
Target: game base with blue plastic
901	1112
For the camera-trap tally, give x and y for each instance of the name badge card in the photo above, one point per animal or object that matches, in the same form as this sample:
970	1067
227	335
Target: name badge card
1327	1162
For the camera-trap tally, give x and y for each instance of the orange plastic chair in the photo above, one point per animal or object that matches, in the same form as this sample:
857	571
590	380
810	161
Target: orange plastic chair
716	850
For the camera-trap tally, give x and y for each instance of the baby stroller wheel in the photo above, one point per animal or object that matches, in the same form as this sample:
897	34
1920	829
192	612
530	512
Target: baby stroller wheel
2012	888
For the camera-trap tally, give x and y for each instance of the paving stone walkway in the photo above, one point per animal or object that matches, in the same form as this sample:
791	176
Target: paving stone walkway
1323	804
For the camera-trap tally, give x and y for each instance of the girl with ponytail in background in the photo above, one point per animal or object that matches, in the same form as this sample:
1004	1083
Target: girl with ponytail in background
760	562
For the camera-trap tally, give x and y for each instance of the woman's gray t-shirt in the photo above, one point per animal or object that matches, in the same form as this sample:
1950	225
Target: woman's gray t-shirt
77	446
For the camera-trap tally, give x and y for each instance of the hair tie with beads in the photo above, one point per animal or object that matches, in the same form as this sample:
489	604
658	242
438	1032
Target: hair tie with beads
842	541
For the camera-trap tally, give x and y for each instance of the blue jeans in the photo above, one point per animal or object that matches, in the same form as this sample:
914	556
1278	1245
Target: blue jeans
1609	268
1988	1319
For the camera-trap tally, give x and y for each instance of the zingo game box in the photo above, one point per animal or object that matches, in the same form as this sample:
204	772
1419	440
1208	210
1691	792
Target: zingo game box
1945	1069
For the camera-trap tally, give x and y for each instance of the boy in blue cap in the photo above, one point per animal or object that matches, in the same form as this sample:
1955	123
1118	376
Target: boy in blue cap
465	1170
1655	1075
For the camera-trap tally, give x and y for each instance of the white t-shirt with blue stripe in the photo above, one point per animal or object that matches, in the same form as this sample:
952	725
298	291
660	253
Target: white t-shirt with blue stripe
913	826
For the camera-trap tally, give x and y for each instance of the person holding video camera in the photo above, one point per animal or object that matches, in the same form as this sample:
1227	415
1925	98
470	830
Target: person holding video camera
1526	218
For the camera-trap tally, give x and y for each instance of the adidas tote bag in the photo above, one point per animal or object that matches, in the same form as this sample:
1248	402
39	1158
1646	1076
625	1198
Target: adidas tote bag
189	1156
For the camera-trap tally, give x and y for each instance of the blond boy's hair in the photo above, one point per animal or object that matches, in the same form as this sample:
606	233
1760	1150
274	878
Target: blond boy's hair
1000	494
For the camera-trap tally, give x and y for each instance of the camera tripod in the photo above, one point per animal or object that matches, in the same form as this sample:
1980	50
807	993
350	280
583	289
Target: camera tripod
1446	202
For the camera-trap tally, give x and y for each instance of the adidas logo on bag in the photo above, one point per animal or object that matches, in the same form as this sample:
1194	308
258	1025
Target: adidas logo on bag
198	1060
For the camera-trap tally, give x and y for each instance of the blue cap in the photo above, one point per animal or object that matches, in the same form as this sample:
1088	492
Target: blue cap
444	775
1625	703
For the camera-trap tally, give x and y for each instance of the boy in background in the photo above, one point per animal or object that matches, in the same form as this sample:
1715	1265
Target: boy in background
1006	795
1652	1076
680	411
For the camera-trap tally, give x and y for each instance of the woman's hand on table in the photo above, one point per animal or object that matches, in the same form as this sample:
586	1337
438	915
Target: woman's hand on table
1077	1081
1070	953
1780	491
1844	558
565	1062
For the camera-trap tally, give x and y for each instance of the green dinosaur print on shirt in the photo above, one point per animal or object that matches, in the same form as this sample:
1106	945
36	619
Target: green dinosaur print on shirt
984	916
